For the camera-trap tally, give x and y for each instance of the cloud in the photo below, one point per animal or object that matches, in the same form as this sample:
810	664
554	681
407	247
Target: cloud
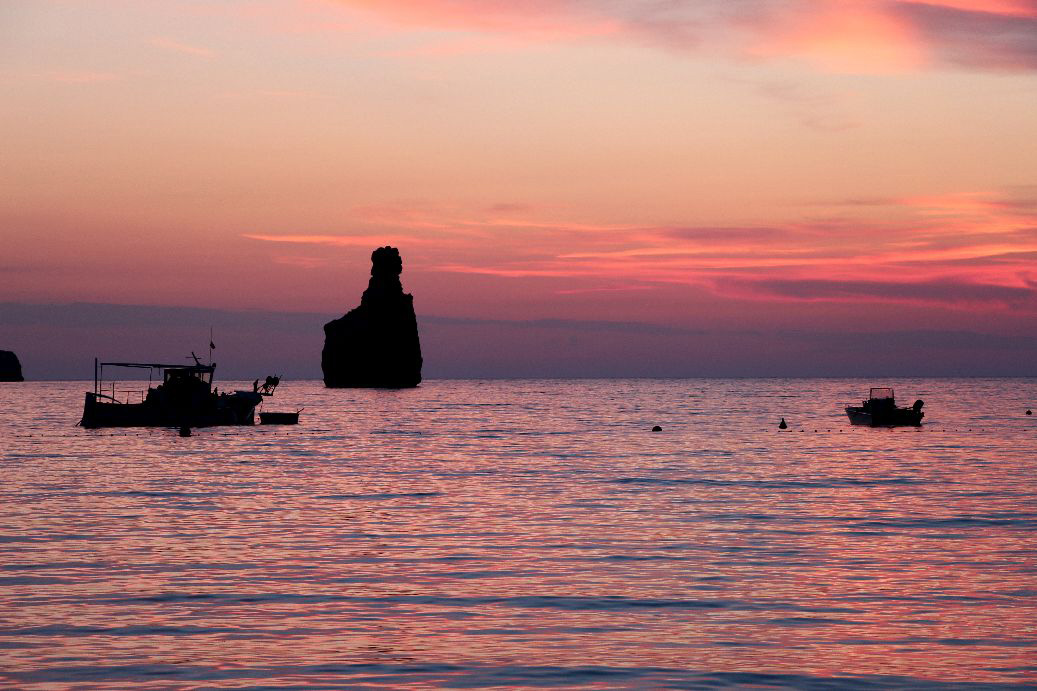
967	250
975	38
838	35
506	272
945	292
336	240
592	325
724	233
964	250
815	109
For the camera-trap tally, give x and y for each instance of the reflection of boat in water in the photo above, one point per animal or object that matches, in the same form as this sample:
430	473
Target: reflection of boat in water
880	410
185	398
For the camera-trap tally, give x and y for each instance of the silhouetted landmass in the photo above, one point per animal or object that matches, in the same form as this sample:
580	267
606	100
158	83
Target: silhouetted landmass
375	345
10	368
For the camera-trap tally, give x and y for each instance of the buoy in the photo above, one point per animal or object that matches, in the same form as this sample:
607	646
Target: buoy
657	428
185	431
1029	412
783	424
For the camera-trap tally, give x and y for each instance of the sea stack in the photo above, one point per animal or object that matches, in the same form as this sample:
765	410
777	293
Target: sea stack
375	345
10	368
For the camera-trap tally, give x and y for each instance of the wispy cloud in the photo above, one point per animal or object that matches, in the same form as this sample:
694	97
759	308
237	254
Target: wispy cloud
948	292
815	109
956	250
952	250
335	240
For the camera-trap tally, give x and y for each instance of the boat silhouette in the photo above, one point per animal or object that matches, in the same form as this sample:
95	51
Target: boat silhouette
880	410
184	398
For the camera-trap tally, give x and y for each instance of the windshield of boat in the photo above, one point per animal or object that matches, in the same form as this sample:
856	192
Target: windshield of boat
878	394
203	374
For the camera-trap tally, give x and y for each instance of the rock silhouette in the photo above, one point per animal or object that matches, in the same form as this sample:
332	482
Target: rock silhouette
375	345
10	368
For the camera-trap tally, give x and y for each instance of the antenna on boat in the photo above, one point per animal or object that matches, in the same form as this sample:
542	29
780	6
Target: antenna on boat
212	346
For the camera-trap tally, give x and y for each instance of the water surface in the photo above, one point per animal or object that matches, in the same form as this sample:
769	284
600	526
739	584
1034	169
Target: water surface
526	533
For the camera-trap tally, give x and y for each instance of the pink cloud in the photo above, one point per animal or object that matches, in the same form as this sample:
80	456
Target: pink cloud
840	35
334	240
964	250
951	292
968	249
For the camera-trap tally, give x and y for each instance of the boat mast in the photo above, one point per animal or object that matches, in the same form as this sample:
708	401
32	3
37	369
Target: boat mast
96	391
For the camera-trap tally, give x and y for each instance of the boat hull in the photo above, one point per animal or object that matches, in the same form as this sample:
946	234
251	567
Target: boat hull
228	409
279	418
898	417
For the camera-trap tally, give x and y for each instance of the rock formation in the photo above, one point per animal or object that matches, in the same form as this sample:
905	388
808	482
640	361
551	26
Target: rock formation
10	368
375	345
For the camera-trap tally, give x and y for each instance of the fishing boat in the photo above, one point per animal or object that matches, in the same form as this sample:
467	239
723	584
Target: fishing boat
880	410
184	398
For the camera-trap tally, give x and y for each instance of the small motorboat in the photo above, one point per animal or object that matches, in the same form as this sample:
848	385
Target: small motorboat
880	410
273	418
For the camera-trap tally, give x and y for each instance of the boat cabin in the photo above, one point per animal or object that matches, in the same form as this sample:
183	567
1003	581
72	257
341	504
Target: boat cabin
179	373
879	394
194	376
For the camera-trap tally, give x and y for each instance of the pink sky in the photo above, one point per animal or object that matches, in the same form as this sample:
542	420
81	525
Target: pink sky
825	164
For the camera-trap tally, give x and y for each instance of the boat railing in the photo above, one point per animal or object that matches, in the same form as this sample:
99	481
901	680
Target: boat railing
134	393
126	396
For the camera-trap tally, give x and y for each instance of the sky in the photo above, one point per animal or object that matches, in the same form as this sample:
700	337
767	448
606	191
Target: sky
577	187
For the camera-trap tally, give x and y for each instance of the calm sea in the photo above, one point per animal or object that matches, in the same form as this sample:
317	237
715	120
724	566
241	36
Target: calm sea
476	534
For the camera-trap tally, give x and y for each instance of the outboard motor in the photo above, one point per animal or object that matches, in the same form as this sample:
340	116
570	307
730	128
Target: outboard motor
917	407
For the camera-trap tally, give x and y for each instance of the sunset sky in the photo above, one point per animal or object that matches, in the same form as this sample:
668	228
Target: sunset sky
756	182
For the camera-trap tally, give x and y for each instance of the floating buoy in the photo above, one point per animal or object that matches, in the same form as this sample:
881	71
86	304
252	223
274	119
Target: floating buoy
1029	412
185	431
783	424
657	428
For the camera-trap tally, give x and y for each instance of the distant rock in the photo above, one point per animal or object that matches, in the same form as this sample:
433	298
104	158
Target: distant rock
375	345
10	368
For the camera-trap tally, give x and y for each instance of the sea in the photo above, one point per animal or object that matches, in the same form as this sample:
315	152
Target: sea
526	534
